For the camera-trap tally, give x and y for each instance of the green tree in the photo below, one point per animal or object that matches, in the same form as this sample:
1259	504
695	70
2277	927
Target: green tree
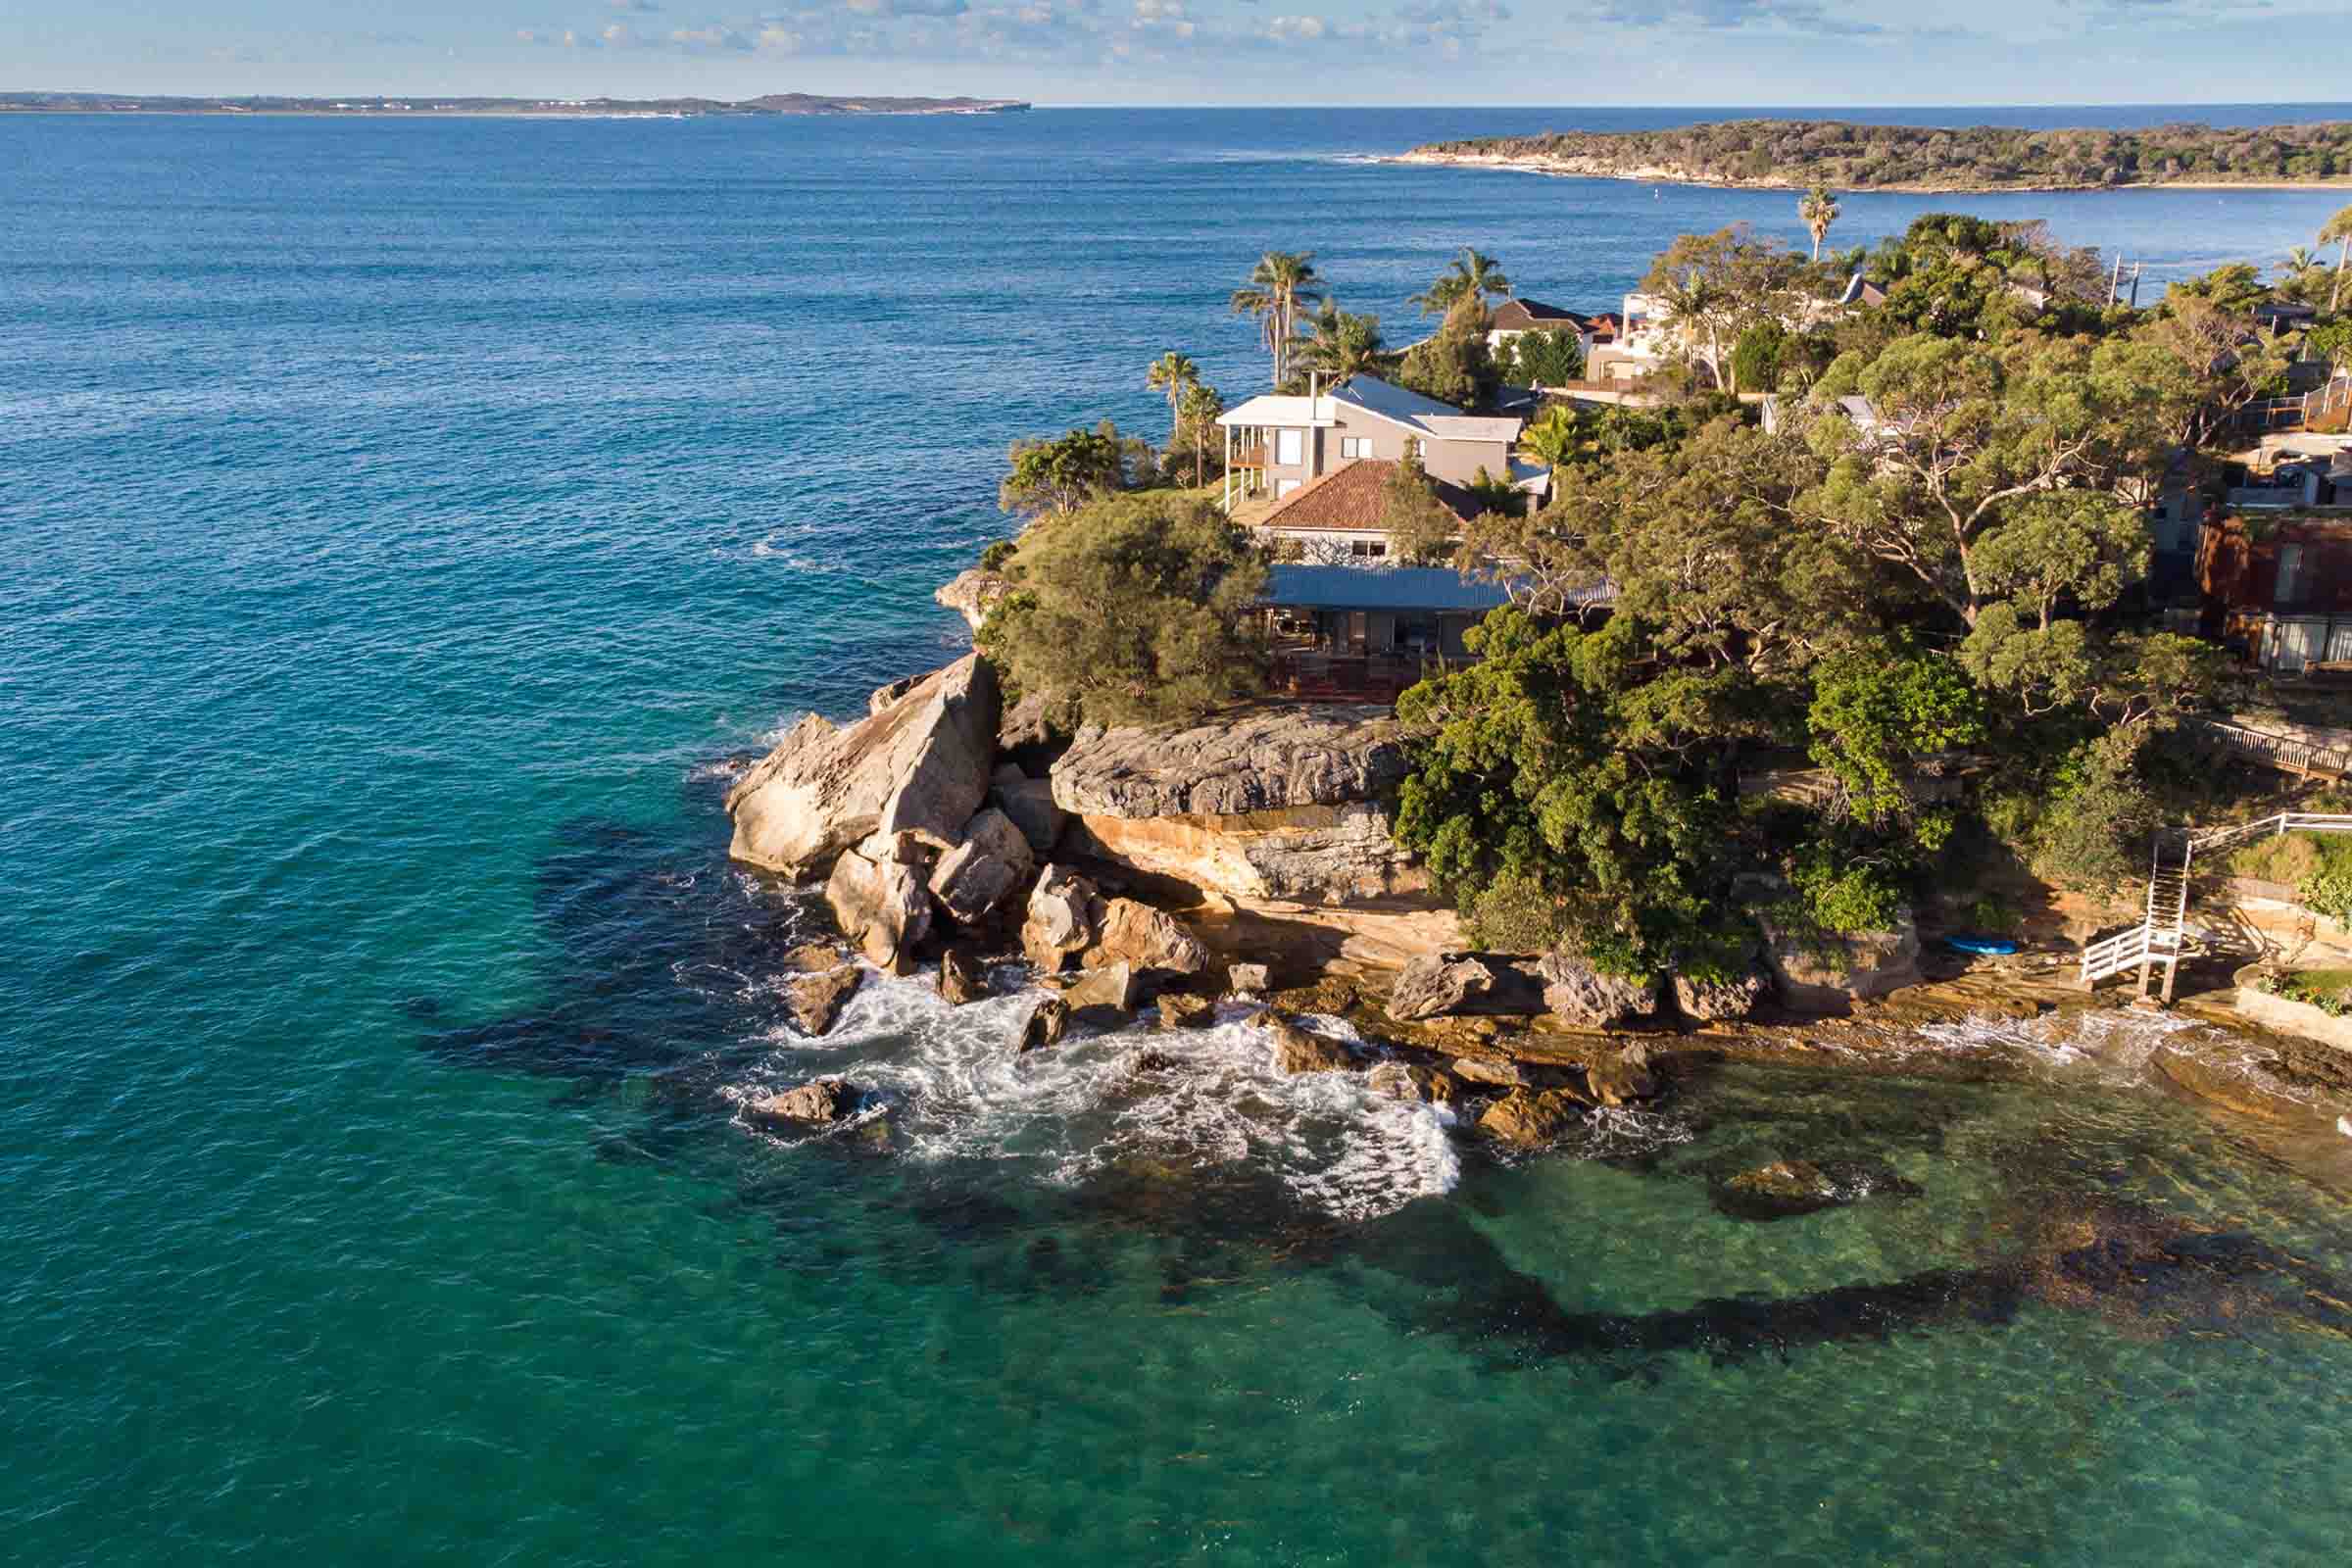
1963	434
1496	494
1280	286
1715	287
1172	375
1059	473
1875	716
1819	210
1455	366
1531	779
1197	419
2069	547
1342	347
1758	360
1132	608
2331	341
2337	231
1421	529
2231	360
1551	437
1552	357
1469	276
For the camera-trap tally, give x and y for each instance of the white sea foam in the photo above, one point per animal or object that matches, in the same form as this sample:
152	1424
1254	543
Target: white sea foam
2113	1047
962	1090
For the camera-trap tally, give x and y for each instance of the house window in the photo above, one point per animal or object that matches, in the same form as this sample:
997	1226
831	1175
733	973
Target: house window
2290	573
1356	446
1290	447
1368	549
1283	487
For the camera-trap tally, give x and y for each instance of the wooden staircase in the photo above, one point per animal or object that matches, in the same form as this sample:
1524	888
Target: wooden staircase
2163	930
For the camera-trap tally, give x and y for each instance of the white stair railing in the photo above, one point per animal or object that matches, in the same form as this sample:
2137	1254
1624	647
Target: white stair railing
2162	933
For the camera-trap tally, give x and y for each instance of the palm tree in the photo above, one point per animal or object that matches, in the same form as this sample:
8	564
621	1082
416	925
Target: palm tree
1279	283
1470	276
1172	373
1552	437
1819	210
1342	345
1200	411
2338	230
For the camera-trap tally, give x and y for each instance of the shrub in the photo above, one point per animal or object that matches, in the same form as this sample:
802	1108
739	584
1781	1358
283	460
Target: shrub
2328	890
1132	610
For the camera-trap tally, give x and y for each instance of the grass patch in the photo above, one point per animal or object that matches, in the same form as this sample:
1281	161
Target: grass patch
2290	858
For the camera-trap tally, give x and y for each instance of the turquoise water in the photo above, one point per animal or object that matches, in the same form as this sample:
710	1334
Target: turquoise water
407	528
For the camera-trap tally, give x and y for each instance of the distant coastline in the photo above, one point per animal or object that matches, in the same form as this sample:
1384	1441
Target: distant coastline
390	106
1795	155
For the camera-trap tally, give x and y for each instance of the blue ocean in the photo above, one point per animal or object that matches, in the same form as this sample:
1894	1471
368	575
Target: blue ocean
409	529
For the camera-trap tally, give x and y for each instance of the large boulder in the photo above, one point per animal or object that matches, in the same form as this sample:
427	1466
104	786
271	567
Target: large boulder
1047	1023
817	1000
1585	996
1451	983
1111	988
1029	804
819	1104
1623	1079
1819	971
878	897
920	766
1259	759
1137	934
1297	1051
958	982
972	593
1722	999
1310	855
1029	732
1530	1117
1277	802
1410	1081
988	867
1180	1010
1061	919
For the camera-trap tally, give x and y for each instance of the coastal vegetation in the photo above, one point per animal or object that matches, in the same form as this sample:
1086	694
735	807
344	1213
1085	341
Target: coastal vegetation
1929	561
1799	154
1130	607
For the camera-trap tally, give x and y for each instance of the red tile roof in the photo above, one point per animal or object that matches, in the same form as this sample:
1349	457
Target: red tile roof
1350	497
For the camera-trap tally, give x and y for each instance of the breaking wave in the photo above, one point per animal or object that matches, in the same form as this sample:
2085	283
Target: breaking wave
954	1086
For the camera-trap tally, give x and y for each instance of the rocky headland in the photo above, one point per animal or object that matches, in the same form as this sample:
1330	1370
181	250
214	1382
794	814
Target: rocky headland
1797	154
1247	860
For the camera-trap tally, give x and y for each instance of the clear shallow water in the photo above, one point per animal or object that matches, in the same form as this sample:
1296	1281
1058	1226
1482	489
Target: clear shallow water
405	522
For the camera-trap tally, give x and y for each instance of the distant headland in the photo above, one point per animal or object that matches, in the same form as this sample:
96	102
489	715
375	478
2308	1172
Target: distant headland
1796	154
783	102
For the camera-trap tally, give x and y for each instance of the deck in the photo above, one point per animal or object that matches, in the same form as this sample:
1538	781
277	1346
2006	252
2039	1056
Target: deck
1309	675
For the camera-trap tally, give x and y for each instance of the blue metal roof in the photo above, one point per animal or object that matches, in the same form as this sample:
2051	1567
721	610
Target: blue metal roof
1382	588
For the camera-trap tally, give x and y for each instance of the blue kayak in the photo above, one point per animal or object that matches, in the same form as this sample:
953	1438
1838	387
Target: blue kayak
1993	947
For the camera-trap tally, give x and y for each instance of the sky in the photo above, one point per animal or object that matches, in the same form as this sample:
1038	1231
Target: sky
1550	52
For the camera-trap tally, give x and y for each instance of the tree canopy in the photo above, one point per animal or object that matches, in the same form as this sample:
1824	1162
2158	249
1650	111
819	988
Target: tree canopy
1130	609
